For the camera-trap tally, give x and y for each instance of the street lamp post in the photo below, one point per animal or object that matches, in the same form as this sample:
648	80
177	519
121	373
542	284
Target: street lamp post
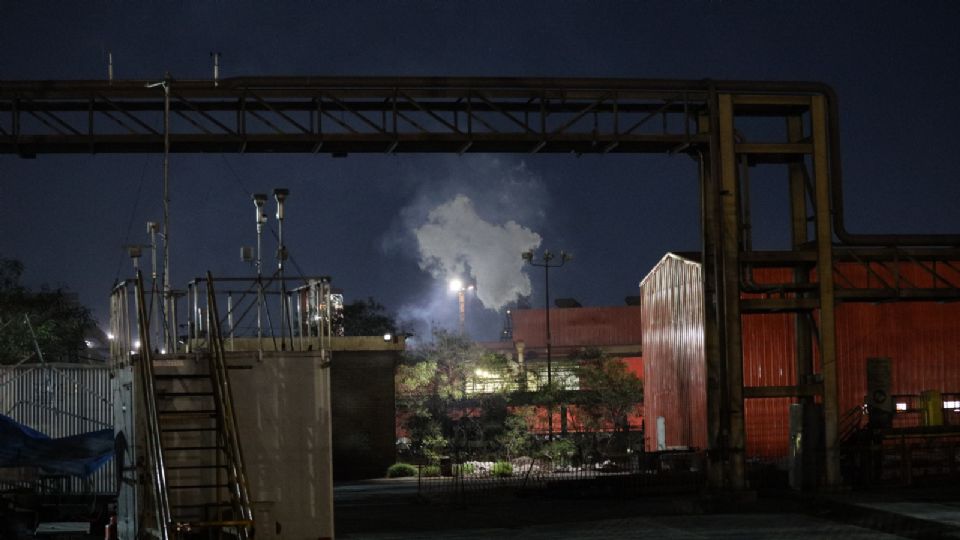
546	264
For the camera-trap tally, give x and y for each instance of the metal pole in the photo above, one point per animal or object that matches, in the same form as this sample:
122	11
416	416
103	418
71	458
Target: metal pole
547	257
546	273
154	291
259	199
166	209
280	195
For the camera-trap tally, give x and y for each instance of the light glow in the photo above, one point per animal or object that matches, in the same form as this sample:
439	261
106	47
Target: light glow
901	406
456	285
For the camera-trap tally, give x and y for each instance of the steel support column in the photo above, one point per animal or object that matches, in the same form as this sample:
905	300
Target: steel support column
828	357
730	269
799	237
712	287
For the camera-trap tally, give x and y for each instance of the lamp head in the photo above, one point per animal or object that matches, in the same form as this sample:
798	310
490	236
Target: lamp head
527	255
456	285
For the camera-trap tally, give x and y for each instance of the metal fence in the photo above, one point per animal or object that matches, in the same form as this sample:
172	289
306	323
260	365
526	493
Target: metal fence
60	400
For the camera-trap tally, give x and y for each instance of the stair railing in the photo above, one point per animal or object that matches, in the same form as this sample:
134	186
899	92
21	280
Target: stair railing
224	401
154	442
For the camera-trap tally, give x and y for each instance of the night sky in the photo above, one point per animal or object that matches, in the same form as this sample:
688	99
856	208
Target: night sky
894	65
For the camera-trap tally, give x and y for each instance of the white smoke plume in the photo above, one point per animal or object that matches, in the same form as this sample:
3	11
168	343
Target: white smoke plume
456	242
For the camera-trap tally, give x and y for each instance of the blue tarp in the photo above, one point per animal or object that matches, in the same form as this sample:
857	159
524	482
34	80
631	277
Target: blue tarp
77	455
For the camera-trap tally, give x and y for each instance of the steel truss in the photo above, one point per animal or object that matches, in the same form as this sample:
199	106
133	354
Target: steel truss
713	121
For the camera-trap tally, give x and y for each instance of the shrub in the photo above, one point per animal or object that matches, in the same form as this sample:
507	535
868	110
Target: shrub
559	450
501	469
400	470
463	469
430	470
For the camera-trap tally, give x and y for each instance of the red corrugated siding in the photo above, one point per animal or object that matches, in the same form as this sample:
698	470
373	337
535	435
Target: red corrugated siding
673	369
579	327
769	359
921	338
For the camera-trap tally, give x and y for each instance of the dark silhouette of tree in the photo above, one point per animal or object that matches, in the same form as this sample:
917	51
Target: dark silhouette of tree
58	321
367	318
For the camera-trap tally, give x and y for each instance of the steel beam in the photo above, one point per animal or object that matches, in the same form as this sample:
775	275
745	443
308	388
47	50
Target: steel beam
827	330
730	268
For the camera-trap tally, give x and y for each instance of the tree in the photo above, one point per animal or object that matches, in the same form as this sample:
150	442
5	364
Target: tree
611	392
58	322
432	382
367	318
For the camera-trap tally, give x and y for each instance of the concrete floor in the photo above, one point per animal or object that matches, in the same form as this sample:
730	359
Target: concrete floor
390	510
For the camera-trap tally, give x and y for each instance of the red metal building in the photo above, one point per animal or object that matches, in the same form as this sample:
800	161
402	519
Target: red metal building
615	330
921	338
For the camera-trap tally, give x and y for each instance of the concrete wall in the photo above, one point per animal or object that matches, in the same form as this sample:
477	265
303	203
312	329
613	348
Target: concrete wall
363	399
282	406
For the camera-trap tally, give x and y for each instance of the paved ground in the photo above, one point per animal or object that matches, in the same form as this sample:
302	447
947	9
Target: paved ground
391	510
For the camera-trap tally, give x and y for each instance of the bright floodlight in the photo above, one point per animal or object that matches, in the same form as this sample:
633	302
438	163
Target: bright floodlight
456	285
388	337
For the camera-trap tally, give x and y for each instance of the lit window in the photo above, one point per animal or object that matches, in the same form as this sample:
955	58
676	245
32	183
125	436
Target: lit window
901	406
951	404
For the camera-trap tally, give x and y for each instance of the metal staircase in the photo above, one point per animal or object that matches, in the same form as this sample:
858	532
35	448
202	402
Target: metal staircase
199	486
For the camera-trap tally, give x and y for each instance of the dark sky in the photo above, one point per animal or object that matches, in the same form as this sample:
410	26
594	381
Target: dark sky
895	66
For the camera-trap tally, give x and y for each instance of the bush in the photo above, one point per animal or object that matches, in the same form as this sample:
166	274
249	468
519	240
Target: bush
430	470
559	450
464	469
400	470
501	469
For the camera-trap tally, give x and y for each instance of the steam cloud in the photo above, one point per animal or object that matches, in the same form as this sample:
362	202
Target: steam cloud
456	242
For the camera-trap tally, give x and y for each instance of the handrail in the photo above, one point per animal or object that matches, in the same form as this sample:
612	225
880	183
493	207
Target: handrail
224	401
851	422
154	441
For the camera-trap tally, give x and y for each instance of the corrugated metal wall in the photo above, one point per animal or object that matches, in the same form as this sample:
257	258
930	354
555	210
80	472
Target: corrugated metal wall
60	400
921	338
579	327
769	359
674	370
